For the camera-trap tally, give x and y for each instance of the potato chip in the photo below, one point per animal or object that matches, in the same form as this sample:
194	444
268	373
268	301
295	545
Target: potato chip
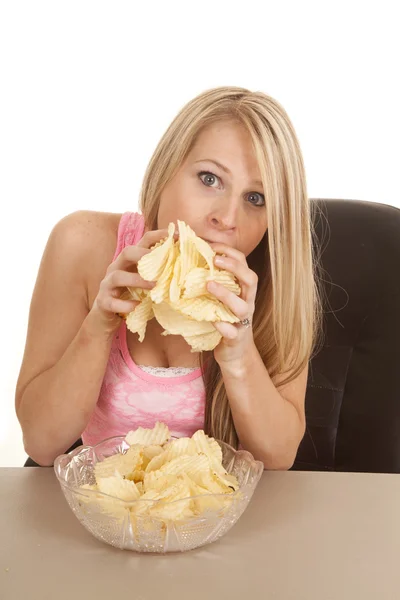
227	280
136	321
206	309
160	243
112	507
171	451
137	294
118	487
204	342
188	251
151	266
136	476
121	464
105	504
174	288
156	462
226	480
150	452
196	282
208	446
211	483
203	501
176	323
187	236
175	503
172	510
131	294
149	437
88	498
161	291
206	252
156	480
193	466
178	447
211	448
143	505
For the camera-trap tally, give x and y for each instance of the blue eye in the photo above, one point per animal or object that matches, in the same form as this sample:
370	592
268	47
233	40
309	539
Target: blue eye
208	178
256	199
211	180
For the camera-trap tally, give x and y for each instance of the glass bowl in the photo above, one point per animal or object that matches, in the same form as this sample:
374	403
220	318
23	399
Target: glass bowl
124	528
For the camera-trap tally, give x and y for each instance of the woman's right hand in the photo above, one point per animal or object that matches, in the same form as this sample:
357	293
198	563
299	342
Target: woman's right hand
120	274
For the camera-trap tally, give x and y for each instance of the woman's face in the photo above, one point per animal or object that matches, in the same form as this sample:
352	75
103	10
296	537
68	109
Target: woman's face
218	190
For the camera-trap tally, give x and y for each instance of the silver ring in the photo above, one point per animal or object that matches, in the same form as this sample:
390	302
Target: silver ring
245	323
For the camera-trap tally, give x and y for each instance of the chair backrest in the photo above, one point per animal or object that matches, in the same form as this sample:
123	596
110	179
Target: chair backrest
353	393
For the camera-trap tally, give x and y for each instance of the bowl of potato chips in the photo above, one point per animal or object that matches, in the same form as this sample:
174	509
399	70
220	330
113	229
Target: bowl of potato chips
151	492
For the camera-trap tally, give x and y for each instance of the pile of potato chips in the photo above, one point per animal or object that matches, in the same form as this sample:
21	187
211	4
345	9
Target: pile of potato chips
163	471
180	301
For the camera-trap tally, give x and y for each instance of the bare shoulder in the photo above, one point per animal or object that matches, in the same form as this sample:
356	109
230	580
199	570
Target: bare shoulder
89	238
87	227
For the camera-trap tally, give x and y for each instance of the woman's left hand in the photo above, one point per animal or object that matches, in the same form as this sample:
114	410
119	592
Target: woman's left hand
237	337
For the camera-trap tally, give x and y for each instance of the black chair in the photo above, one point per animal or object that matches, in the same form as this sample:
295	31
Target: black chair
353	393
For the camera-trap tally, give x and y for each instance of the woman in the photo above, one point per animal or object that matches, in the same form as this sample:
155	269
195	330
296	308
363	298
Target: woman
229	166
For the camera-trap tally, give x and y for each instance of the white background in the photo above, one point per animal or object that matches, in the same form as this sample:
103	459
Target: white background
89	87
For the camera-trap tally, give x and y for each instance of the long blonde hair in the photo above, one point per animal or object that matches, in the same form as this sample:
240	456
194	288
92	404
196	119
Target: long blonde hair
287	313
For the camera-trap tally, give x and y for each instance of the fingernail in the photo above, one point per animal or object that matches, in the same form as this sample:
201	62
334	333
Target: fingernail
219	260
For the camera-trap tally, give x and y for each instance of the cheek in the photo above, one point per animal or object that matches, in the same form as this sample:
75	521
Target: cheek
251	242
164	210
178	201
169	208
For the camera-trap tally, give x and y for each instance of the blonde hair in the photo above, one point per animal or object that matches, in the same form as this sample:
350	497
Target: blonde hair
287	314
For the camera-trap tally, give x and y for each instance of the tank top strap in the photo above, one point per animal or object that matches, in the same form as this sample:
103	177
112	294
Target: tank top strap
130	231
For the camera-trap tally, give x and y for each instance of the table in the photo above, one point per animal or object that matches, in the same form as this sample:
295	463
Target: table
305	536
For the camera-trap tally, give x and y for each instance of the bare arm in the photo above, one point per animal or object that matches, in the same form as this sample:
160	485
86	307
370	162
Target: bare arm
69	342
269	421
269	418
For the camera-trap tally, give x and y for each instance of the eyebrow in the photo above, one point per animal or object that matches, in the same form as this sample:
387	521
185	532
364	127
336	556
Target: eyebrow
224	168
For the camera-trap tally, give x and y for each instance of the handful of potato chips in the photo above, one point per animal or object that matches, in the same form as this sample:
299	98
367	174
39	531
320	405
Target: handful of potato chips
180	301
163	471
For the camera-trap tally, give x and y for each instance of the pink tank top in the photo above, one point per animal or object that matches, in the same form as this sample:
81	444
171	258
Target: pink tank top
130	397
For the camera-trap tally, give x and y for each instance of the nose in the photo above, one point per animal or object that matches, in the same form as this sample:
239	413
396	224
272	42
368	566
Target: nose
224	216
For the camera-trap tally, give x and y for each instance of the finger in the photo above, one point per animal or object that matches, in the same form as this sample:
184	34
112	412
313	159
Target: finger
229	332
238	306
116	305
130	255
229	251
241	271
128	258
152	237
119	278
